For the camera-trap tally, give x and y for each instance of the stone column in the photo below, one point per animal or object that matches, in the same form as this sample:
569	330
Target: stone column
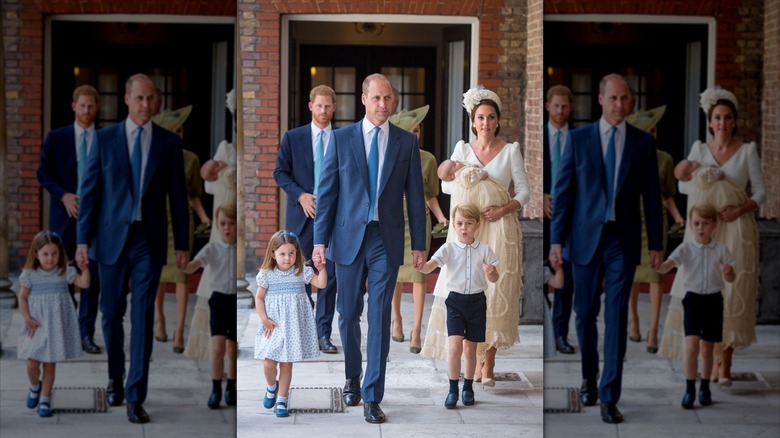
245	298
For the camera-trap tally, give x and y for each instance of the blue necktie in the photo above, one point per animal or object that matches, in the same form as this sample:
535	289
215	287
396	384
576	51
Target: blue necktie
609	166
556	156
373	171
82	161
136	163
318	153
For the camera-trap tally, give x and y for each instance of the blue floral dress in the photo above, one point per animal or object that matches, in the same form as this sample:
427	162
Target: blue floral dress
57	338
286	303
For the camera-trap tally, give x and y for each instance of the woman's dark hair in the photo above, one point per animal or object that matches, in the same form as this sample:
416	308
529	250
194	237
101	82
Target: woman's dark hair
731	106
474	114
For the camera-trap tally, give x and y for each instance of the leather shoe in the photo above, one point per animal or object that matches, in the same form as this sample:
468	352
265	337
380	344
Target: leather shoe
351	396
327	347
687	400
115	393
705	397
588	392
373	413
89	346
214	400
610	413
136	413
451	400
563	346
468	397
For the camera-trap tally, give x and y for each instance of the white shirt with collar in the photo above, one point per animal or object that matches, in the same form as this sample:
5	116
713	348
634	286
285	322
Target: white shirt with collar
464	265
702	266
78	130
131	131
620	142
221	257
315	131
381	142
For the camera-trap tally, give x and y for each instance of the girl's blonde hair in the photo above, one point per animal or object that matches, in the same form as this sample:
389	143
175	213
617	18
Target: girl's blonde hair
277	240
39	241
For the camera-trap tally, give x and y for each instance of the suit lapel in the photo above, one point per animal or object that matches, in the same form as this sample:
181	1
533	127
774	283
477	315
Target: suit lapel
155	150
391	156
359	153
308	156
70	161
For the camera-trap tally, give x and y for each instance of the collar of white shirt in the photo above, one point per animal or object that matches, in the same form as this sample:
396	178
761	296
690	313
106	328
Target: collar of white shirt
708	245
604	127
368	127
462	245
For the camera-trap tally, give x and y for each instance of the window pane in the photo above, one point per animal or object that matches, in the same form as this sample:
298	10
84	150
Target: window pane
580	82
345	107
395	76
414	80
321	75
344	81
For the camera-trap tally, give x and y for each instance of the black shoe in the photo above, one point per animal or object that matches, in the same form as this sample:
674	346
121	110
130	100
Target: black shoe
468	397
136	413
588	392
610	413
687	401
451	401
563	346
230	396
373	413
89	346
327	347
705	397
115	394
351	394
214	400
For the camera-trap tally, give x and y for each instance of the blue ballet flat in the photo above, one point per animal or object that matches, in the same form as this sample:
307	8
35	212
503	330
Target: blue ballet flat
268	403
32	402
281	409
44	410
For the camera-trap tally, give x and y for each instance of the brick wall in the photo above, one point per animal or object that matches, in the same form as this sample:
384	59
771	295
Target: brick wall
770	109
23	25
739	63
502	68
534	106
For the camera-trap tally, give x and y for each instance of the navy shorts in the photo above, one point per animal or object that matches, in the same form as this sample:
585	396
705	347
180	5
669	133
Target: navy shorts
222	315
703	316
467	316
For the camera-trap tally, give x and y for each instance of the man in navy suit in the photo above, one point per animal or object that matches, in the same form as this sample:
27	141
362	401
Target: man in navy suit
605	168
368	169
297	171
559	105
132	167
62	164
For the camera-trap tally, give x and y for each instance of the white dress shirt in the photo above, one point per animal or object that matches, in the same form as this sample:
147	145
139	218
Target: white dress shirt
464	265
702	266
620	142
131	131
381	142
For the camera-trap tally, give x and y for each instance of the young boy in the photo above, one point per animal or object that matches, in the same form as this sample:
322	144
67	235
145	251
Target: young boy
707	263
470	263
221	255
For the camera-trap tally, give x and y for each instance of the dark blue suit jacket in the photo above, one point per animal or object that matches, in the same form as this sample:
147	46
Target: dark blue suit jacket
58	174
107	195
295	179
342	205
581	195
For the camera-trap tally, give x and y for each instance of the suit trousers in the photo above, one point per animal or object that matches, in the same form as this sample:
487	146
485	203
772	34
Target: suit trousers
134	265
326	303
371	266
610	265
88	302
562	305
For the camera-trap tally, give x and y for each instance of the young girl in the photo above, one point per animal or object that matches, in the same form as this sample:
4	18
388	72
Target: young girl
287	333
51	331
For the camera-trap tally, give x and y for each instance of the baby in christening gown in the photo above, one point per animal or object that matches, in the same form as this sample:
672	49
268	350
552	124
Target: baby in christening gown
712	186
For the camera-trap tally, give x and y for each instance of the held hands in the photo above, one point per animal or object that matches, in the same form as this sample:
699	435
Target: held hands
318	255
655	259
308	203
71	203
82	257
320	265
548	206
182	258
418	259
269	327
556	257
32	326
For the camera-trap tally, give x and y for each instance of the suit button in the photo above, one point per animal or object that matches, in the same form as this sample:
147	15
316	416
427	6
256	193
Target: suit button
366	204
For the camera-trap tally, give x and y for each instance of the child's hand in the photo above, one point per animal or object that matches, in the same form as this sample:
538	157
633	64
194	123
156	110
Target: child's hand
269	327
32	326
489	269
726	269
320	265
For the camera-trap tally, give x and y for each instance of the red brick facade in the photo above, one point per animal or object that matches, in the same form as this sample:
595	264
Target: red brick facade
23	26
770	109
502	66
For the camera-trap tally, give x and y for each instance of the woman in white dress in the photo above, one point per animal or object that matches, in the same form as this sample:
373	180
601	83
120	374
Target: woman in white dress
740	166
500	229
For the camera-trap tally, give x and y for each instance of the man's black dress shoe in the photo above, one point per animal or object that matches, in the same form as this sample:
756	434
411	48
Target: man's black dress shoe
610	413
89	346
136	413
687	401
214	400
588	392
351	394
373	413
563	346
705	397
327	347
115	393
451	401
468	397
